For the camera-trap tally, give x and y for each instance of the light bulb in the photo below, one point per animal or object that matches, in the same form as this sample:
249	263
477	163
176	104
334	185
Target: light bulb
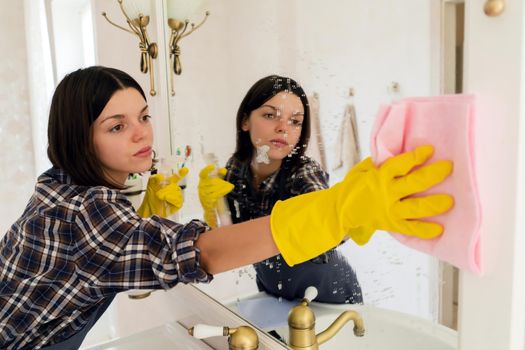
136	7
182	10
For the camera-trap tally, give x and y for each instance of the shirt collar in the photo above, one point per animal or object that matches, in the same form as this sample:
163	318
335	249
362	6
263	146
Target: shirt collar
55	175
245	172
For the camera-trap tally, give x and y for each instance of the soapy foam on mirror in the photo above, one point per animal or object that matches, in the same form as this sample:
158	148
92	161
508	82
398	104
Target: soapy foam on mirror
262	154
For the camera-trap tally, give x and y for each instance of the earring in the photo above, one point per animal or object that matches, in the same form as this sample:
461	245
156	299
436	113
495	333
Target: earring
154	161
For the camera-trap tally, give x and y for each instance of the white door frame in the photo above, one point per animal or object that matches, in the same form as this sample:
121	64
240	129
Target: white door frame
492	307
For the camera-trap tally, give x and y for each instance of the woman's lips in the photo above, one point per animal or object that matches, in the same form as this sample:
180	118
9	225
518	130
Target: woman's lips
279	143
143	152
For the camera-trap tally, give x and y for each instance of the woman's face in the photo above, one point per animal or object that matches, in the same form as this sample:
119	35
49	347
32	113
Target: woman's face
275	127
123	135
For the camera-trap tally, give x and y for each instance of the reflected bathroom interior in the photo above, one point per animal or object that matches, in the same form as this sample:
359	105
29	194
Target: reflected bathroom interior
393	278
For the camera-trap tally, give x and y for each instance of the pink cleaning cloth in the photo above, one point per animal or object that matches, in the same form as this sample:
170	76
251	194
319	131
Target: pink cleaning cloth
447	123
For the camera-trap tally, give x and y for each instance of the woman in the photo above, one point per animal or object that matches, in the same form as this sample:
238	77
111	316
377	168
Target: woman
79	241
273	129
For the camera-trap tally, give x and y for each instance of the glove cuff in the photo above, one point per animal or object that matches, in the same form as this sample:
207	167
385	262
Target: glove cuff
144	210
210	218
305	226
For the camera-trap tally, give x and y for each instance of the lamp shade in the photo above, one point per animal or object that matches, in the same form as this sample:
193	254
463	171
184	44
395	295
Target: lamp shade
135	7
182	10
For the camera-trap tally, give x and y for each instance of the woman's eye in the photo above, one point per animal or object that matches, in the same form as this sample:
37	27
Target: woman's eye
269	115
116	128
145	118
296	122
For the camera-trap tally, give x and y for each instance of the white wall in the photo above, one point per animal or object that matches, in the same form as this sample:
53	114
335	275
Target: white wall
41	81
16	158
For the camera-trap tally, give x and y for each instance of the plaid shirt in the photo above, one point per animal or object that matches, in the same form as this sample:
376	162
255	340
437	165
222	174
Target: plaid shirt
247	203
76	246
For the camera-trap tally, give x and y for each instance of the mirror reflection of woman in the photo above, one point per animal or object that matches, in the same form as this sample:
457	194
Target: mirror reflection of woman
269	164
79	241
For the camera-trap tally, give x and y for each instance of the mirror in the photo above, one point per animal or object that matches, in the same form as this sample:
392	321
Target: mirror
376	51
381	51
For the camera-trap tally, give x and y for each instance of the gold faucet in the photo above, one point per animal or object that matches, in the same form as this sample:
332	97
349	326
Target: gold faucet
240	338
301	323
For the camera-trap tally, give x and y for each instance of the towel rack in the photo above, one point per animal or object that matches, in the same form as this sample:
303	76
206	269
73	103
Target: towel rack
394	87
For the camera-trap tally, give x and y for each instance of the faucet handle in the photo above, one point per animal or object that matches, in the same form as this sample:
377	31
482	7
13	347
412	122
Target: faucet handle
310	294
240	338
201	331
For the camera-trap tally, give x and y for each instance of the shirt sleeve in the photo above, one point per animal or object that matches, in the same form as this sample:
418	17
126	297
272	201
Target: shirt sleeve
117	250
309	177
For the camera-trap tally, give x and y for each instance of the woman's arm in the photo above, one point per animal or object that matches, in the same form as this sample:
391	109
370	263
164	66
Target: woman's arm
238	245
370	198
233	246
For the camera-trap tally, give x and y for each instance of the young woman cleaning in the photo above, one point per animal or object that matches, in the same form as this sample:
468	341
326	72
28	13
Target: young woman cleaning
79	241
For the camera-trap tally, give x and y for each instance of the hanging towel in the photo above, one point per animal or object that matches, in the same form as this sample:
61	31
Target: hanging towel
447	123
347	153
315	147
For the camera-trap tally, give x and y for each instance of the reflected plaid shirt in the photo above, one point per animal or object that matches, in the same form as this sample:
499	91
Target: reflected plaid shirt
248	203
75	246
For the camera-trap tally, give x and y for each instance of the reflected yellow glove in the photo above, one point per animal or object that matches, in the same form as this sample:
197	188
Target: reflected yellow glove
211	188
370	198
161	199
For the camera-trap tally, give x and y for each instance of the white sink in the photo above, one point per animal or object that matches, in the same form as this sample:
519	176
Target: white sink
384	329
161	320
166	337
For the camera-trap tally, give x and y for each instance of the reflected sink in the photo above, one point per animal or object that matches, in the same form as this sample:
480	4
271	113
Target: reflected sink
384	329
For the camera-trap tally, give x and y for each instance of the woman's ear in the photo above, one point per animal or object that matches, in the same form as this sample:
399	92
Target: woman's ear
245	125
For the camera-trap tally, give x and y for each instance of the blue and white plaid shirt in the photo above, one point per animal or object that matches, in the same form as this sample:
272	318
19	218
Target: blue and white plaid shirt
74	247
247	202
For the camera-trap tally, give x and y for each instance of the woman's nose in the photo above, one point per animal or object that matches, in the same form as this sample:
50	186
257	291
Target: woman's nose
139	132
282	125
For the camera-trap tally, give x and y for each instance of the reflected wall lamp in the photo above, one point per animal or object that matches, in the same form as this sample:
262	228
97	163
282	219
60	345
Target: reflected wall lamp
178	13
137	14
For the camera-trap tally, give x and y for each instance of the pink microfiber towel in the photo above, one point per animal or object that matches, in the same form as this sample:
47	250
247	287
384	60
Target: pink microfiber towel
447	123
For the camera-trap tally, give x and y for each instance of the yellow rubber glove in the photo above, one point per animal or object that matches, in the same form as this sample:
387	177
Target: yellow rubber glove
161	199
211	188
370	198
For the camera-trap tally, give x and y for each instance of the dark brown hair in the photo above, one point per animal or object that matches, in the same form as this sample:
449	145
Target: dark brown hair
78	100
263	90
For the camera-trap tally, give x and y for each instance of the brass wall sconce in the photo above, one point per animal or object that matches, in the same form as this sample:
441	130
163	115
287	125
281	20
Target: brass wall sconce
138	22
178	13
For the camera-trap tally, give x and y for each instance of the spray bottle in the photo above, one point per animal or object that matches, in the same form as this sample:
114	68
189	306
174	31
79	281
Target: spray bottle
222	211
